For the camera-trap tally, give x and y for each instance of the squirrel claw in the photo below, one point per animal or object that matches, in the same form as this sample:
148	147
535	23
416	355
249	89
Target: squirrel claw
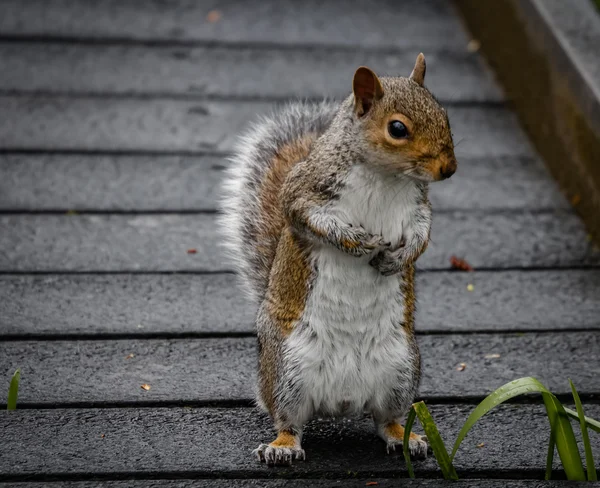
388	262
417	447
370	242
278	456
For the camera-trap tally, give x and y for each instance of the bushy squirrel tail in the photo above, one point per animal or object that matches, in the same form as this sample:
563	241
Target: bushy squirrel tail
251	215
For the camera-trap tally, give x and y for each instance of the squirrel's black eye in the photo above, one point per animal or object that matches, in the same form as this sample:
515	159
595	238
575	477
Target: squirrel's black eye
397	129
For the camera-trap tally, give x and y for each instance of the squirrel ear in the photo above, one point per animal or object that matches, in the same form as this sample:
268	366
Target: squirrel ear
418	72
367	88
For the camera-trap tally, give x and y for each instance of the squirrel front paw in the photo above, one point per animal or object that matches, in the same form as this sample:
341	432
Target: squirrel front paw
389	262
358	242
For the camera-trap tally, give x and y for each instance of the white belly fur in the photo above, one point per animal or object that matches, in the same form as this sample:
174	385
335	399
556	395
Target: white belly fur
350	351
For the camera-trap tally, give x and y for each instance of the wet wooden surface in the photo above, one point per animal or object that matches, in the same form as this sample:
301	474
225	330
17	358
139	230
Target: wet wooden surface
117	119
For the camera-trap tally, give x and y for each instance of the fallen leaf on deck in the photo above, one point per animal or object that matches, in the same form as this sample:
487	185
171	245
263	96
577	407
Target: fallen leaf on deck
461	367
192	251
145	386
492	356
460	264
102	436
130	356
213	16
481	445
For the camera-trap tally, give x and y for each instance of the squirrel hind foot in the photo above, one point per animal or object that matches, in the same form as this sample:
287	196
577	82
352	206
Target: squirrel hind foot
282	451
393	435
278	456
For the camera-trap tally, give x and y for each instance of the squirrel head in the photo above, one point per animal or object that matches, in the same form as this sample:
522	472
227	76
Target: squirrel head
402	128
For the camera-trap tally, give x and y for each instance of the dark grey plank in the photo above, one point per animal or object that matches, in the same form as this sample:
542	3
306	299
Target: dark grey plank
152	183
509	300
129	124
109	243
217	71
416	24
94	305
198	370
106	182
160	242
123	304
183	441
291	483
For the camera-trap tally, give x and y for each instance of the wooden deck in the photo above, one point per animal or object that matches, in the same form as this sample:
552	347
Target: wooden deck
116	118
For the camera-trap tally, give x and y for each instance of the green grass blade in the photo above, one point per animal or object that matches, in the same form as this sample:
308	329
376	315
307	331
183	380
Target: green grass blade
502	394
591	423
589	457
13	391
435	441
550	455
565	439
410	420
566	444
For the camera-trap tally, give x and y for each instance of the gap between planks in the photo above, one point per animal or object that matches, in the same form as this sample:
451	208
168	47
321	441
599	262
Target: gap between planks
109	336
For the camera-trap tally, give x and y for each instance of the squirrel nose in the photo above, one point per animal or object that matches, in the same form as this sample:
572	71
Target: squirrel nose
447	171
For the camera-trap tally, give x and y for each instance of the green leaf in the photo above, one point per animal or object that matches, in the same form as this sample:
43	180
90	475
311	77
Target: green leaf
435	441
502	394
559	423
591	423
550	455
13	391
589	457
566	444
407	430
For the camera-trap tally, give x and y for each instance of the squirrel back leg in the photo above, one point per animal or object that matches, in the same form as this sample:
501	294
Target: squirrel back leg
388	414
286	413
287	446
278	315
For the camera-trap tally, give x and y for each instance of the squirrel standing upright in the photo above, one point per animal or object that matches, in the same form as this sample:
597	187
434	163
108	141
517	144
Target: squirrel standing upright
326	210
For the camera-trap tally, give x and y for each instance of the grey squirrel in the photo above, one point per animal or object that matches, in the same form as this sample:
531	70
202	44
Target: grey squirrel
325	211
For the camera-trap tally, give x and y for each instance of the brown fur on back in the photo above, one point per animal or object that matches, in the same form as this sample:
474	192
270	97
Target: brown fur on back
269	228
288	282
288	276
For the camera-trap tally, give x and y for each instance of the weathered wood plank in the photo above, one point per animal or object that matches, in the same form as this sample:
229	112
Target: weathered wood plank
123	304
98	372
291	483
218	71
110	183
160	242
95	305
82	182
415	24
509	300
184	441
130	124
109	243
